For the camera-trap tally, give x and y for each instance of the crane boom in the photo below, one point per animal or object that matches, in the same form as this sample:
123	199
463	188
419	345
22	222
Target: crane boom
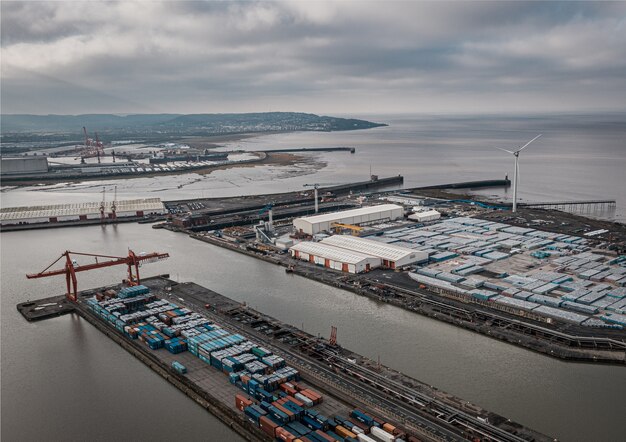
71	267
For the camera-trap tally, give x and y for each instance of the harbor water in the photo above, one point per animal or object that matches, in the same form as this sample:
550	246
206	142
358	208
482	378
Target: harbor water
64	380
577	158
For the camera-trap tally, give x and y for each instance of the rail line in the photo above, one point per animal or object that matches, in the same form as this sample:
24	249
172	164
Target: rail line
452	423
579	341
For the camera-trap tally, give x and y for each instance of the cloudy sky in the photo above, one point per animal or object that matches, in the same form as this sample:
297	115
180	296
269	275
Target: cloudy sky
343	57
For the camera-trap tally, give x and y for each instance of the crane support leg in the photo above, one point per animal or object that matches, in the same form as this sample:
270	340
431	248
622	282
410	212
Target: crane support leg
74	297
137	272
68	295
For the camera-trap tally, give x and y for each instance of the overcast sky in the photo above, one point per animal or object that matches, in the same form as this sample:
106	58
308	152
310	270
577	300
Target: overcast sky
344	57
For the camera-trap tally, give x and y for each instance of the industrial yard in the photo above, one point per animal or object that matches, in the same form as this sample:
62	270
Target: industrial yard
269	380
400	248
556	293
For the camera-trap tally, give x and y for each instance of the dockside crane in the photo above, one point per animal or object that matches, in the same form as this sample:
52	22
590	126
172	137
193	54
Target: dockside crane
99	143
88	141
114	205
92	148
71	267
102	206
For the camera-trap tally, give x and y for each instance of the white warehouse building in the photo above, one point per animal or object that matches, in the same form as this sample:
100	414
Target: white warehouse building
392	256
334	257
324	222
425	215
80	211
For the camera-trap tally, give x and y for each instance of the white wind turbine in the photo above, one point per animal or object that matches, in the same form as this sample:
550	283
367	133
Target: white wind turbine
516	172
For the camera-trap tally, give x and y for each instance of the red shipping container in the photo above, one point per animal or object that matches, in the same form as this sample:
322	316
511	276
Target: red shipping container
296	385
242	402
359	424
324	436
311	395
296	401
287	389
289	413
268	426
285	435
314	393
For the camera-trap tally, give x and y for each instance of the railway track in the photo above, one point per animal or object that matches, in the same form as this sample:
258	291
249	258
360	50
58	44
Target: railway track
433	419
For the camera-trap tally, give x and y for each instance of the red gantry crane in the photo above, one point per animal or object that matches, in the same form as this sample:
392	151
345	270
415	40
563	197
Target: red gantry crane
71	267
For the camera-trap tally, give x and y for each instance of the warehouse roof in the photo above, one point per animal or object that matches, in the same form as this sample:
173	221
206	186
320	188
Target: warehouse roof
370	247
330	252
90	208
326	217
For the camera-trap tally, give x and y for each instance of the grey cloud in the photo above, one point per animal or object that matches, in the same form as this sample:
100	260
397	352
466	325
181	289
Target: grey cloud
319	57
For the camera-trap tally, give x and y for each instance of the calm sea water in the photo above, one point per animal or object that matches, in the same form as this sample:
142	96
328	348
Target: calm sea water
578	157
63	380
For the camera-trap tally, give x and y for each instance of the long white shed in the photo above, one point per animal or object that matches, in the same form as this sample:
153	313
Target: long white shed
334	257
324	222
392	256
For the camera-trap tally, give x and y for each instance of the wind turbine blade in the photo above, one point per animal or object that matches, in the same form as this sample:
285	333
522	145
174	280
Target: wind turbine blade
525	145
507	151
519	177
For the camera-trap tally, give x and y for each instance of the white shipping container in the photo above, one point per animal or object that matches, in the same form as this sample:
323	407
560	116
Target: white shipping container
356	430
302	398
363	438
381	434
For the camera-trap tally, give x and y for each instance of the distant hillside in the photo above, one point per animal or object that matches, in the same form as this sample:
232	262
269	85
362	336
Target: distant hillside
178	124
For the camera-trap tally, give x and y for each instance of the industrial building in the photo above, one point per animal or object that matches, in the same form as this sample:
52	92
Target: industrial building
23	165
425	215
334	257
324	222
392	256
80	211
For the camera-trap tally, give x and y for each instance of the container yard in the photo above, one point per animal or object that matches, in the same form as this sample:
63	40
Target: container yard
55	172
271	381
562	287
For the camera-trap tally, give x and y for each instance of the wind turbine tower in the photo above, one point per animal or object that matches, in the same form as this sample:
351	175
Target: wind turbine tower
516	171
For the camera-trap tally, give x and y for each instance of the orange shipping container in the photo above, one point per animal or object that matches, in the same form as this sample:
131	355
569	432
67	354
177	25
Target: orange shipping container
344	432
282	434
389	428
268	426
